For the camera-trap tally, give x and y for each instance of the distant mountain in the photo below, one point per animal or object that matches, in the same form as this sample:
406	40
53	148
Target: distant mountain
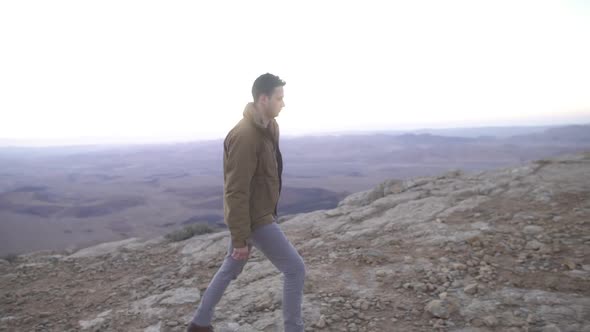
484	131
575	134
472	132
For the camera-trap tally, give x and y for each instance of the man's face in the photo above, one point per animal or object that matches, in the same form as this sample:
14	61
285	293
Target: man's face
274	103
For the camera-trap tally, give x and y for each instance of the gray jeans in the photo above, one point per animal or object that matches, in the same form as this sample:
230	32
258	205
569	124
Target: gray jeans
271	241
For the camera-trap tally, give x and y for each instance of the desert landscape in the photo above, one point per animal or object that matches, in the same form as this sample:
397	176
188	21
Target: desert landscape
72	197
435	175
498	250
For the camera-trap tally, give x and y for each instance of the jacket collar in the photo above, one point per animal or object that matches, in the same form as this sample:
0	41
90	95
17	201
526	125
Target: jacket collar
256	118
272	129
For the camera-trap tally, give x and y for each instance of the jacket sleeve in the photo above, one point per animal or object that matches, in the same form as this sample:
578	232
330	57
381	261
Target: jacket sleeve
240	164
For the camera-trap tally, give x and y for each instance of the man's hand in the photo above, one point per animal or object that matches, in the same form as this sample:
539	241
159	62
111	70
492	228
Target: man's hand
241	253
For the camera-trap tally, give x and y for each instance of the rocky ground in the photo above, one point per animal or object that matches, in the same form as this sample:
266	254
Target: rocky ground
505	250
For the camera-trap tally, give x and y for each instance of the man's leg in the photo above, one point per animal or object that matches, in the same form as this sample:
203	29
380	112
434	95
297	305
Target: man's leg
229	270
273	243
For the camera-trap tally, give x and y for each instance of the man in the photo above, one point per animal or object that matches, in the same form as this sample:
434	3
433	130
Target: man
252	169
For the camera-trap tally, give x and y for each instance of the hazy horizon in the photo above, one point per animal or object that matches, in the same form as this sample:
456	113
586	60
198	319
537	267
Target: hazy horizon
80	141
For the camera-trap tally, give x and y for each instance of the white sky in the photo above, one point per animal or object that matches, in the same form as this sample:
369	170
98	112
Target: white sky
184	69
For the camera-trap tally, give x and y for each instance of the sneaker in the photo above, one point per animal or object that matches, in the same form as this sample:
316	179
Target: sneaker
196	328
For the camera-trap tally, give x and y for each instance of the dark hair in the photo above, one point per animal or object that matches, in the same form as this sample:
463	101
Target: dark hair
265	84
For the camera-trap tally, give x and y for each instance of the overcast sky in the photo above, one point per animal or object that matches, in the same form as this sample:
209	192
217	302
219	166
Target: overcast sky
124	70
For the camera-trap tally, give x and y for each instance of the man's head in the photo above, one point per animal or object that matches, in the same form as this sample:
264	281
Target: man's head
267	91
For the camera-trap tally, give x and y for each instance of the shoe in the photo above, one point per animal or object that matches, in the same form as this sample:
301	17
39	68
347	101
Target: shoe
196	328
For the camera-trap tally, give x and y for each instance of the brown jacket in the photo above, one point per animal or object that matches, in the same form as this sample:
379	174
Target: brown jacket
252	169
